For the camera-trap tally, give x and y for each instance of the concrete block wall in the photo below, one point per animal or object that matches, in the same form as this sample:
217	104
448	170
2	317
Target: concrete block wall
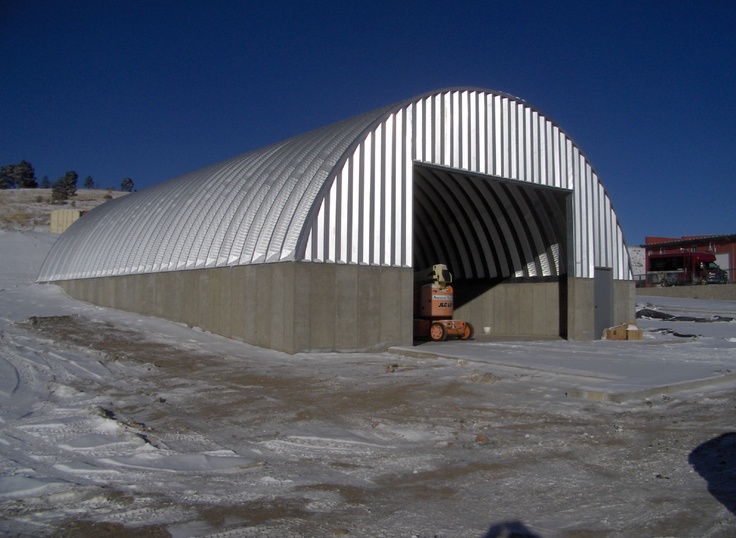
289	307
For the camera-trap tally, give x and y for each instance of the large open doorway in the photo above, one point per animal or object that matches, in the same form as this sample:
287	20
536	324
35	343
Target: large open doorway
506	243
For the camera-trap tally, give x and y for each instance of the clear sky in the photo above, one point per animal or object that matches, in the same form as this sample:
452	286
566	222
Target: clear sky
154	89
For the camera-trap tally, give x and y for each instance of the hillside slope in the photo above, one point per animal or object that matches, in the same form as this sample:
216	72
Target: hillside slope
30	209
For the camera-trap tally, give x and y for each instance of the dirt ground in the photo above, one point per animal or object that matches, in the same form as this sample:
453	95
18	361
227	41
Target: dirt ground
382	445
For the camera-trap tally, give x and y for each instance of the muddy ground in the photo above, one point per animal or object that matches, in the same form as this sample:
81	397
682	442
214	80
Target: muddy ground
376	445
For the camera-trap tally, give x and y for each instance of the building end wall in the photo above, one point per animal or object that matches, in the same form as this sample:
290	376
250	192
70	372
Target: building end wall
581	306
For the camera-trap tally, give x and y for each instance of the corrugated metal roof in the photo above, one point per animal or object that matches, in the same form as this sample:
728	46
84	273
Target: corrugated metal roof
345	194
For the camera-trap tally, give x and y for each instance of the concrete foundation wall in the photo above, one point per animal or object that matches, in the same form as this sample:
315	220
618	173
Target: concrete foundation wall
580	309
295	307
624	302
562	308
722	292
581	306
289	307
511	309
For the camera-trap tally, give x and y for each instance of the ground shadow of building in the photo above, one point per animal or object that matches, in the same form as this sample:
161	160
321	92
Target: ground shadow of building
509	529
715	461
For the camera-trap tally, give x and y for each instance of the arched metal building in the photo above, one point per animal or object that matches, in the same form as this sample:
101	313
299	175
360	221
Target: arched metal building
311	243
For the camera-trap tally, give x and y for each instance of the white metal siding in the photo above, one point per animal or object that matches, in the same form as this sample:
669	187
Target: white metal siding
344	194
481	132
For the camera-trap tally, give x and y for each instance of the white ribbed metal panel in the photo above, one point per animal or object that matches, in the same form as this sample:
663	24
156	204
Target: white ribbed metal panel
249	209
344	194
478	131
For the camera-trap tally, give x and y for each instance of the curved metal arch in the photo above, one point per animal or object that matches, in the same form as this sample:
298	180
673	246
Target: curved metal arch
238	209
457	231
513	226
511	237
269	204
485	233
502	254
525	230
214	247
549	229
322	163
513	141
429	230
506	230
459	206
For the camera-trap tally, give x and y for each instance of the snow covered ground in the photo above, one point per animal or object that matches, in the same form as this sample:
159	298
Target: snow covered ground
115	423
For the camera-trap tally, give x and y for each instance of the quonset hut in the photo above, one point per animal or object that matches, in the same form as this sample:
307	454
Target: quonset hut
311	243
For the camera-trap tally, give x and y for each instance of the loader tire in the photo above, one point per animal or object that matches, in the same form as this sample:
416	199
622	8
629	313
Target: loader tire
438	332
468	333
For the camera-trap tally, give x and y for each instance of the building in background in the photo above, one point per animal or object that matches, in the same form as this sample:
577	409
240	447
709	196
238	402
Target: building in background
722	246
61	219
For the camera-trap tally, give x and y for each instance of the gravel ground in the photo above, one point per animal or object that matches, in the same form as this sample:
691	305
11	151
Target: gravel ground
344	445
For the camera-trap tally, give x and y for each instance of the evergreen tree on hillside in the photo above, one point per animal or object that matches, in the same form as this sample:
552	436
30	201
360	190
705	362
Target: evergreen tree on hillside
25	175
21	176
58	191
6	177
65	187
127	185
45	183
89	183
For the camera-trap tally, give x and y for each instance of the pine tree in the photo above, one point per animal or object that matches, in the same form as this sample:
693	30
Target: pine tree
70	180
65	187
6	177
25	175
21	176
127	185
89	183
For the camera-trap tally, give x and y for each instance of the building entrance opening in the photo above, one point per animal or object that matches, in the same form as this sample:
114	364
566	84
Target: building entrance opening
504	241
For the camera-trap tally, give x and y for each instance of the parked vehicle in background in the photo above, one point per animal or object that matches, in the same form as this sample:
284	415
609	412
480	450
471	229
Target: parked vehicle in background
684	269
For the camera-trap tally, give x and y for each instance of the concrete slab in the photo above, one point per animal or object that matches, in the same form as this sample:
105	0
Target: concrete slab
613	371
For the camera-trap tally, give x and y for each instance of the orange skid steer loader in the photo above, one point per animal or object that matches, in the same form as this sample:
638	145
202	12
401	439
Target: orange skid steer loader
433	306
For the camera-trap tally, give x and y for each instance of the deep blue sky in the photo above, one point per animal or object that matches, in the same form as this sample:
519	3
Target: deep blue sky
154	89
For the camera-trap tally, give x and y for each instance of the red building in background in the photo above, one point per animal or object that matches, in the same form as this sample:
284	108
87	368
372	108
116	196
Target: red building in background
723	246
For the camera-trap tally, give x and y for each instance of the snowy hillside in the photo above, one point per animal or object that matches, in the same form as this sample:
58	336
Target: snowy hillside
30	209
